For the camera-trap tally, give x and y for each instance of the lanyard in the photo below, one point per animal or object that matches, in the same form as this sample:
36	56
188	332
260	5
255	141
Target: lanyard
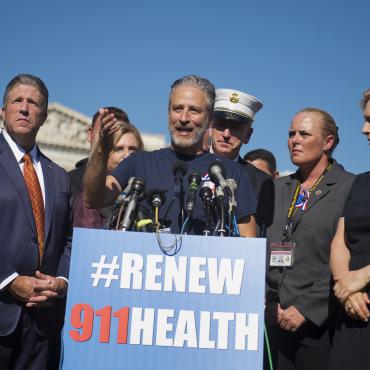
292	207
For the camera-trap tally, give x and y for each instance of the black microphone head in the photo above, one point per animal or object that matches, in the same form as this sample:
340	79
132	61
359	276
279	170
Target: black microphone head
179	168
216	167
138	185
195	177
266	203
156	197
205	193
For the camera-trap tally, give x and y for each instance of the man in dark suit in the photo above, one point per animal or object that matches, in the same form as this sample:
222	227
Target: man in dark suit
233	116
34	230
264	160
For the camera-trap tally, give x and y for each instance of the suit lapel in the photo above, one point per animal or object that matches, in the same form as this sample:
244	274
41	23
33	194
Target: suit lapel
287	198
318	193
11	168
324	186
47	171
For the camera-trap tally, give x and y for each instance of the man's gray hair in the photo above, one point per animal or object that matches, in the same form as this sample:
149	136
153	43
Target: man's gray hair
29	80
202	84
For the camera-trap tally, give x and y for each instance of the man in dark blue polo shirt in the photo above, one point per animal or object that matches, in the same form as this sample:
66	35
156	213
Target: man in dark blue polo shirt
190	112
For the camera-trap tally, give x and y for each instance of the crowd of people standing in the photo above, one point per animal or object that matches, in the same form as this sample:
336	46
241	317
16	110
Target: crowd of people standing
316	221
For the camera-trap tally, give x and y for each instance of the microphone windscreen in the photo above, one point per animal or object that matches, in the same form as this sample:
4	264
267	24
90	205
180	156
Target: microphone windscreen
158	194
266	203
195	177
205	193
138	185
179	167
216	167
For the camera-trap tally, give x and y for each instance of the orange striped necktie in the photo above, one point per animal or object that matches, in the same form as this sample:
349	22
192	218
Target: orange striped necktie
37	202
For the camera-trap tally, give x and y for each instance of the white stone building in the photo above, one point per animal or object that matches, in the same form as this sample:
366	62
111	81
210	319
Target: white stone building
63	137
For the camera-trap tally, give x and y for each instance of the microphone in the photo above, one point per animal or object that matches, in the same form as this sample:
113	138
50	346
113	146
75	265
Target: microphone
156	197
194	181
232	185
179	170
125	192
206	194
219	193
143	221
220	202
137	188
217	172
265	207
233	228
116	210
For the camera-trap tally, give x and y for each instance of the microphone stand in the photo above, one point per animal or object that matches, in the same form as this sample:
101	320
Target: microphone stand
231	187
205	194
182	202
220	202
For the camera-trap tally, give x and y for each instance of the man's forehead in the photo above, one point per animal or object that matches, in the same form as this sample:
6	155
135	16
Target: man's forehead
188	91
22	88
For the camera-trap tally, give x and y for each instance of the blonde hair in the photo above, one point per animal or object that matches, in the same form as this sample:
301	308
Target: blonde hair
126	128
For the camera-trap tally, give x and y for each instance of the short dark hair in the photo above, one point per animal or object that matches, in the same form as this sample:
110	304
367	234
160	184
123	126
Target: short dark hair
118	112
365	98
264	155
30	80
202	84
329	126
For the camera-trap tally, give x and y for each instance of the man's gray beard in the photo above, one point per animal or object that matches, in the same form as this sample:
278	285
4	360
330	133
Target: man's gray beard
184	142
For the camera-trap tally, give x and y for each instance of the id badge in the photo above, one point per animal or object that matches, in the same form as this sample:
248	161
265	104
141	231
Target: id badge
282	254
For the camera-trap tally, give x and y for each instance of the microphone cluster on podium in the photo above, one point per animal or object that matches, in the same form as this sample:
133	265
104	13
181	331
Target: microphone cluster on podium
217	196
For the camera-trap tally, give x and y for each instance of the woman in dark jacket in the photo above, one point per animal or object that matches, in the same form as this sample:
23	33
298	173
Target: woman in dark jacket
308	205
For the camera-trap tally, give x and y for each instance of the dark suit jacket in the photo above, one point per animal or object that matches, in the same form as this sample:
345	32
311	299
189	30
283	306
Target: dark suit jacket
19	249
307	284
256	176
75	179
263	187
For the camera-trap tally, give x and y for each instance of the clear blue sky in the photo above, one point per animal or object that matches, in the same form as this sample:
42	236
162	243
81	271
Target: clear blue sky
289	54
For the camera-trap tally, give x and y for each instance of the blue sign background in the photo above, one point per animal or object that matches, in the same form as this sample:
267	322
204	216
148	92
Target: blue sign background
90	245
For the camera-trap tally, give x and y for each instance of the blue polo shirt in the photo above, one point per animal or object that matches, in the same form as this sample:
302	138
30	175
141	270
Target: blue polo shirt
156	169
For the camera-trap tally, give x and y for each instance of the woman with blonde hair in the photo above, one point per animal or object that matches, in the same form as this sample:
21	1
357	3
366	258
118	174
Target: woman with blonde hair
126	140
